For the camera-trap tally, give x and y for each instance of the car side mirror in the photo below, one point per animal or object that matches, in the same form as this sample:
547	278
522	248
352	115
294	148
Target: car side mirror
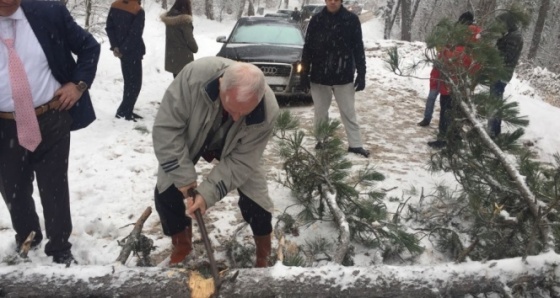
221	39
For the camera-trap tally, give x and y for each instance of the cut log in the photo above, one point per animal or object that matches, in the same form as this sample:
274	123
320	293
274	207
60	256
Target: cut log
445	280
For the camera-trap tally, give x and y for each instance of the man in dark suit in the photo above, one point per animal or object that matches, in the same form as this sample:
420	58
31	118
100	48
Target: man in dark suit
43	96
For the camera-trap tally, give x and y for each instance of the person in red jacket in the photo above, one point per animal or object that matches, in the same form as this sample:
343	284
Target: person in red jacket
454	60
466	18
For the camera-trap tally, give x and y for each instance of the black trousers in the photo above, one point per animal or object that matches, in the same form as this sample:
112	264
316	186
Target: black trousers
171	210
49	163
445	104
132	76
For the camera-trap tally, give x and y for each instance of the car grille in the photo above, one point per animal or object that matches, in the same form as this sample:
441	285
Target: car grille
275	70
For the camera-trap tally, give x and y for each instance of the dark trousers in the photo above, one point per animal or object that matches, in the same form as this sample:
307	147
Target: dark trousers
495	122
171	210
132	76
49	163
445	104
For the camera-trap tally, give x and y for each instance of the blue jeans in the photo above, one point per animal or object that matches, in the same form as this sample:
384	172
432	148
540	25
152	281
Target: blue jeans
430	103
494	121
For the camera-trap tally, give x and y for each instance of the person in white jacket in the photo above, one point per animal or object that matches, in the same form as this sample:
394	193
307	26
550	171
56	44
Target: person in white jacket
220	109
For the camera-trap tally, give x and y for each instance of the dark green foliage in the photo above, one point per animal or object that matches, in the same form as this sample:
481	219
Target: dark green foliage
497	220
313	174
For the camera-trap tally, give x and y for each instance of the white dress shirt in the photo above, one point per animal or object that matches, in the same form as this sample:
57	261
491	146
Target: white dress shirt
42	82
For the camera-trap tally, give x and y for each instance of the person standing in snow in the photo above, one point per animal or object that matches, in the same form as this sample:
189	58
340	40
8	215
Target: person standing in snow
125	26
432	96
466	18
43	96
332	53
219	109
455	58
180	44
510	46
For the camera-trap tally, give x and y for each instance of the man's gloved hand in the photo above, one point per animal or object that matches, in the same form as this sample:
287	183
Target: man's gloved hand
360	83
304	82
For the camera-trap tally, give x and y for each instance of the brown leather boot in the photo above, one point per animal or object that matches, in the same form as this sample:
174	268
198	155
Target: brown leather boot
182	245
263	244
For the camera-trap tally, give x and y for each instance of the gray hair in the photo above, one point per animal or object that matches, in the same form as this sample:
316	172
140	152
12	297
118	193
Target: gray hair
246	78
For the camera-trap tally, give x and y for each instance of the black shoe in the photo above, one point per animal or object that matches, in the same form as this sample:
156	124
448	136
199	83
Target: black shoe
65	258
127	118
359	150
319	146
136	116
424	122
437	144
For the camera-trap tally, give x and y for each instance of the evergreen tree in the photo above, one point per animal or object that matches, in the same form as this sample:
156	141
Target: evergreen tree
508	199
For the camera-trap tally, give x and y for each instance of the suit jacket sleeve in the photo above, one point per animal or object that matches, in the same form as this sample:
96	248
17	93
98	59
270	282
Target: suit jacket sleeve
84	46
110	28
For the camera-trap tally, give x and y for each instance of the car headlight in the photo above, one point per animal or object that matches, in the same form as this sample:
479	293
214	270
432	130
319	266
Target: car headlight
299	68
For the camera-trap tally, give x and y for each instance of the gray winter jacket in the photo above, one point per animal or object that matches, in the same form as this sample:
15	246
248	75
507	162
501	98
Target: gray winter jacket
187	111
179	40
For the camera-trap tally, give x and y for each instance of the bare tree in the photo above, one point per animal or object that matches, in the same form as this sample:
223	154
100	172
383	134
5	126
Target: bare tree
251	9
241	8
415	9
484	9
539	27
209	9
406	20
390	14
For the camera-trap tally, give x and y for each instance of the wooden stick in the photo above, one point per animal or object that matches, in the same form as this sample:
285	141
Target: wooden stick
133	236
26	246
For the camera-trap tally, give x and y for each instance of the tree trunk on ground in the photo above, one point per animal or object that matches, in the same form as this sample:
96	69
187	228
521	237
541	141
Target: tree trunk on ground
406	21
446	280
539	27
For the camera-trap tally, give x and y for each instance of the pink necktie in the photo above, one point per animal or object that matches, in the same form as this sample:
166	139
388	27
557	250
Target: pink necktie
29	134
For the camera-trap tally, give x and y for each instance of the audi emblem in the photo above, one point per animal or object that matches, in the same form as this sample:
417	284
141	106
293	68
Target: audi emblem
269	70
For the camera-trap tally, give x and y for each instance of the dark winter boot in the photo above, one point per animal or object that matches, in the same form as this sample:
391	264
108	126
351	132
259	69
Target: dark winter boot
182	245
424	122
263	244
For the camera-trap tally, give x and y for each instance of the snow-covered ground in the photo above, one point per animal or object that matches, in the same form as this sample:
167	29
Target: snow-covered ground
113	167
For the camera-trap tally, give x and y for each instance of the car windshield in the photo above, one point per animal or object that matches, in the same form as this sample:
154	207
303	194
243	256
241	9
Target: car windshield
268	34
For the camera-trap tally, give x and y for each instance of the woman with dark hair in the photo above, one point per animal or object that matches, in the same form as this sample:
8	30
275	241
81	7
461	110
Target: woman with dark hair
180	44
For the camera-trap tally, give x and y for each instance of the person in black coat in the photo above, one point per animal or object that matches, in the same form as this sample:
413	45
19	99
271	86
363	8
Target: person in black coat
125	25
510	46
333	52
